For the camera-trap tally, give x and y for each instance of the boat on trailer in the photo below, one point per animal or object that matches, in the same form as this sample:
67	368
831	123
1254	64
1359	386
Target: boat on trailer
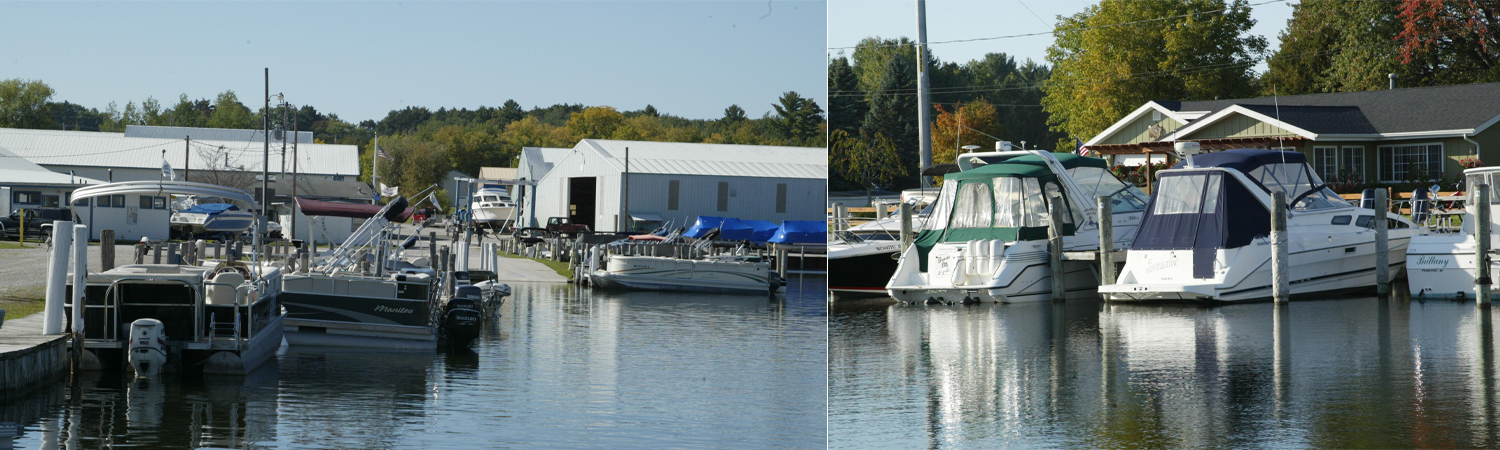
225	318
1206	233
1442	265
493	207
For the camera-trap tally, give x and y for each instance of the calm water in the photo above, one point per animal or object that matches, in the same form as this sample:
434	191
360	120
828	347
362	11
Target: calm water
561	368
1328	374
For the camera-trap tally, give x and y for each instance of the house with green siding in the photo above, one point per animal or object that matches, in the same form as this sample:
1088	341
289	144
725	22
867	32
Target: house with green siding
1372	136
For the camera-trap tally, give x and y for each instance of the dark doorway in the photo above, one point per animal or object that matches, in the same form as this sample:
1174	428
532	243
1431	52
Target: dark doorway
581	197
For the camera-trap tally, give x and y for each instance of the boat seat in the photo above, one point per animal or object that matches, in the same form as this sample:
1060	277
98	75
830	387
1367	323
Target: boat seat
225	291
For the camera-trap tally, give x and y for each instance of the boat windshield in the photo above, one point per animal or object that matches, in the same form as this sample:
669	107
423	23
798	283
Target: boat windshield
973	207
1297	179
1018	203
1097	181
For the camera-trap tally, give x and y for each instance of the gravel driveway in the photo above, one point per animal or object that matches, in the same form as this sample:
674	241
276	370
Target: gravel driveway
26	268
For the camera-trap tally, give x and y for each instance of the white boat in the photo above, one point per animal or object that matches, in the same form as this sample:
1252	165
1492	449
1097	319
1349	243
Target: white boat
857	267
987	238
725	274
226	318
1206	235
1442	264
493	207
211	220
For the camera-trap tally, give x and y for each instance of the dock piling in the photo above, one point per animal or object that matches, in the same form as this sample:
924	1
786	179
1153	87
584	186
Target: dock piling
106	250
1482	244
1281	286
1382	247
57	278
1106	241
906	231
1055	241
156	253
140	253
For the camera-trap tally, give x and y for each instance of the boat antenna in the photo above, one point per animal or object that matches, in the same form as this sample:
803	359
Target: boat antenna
1276	101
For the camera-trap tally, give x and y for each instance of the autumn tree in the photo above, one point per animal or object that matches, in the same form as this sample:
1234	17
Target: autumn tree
1451	41
597	122
974	123
1117	54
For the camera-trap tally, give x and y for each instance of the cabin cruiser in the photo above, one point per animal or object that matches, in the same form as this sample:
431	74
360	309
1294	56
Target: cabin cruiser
225	318
857	267
210	219
362	295
1442	264
1206	233
987	238
493	207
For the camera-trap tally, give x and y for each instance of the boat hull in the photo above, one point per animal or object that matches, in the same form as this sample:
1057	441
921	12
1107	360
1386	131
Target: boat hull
1020	274
358	312
1443	266
671	274
864	274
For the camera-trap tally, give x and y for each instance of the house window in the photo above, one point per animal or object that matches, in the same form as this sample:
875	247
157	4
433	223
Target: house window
1419	162
1326	162
1353	166
118	201
51	201
723	196
26	197
672	190
780	198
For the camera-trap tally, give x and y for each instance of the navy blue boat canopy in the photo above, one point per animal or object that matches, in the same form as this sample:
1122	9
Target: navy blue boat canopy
1245	159
1201	212
1276	171
210	208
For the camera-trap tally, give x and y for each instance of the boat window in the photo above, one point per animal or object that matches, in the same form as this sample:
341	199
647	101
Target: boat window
1211	194
1323	198
1053	191
973	208
1036	205
1296	179
1179	195
1009	206
1364	221
1096	182
944	206
1342	220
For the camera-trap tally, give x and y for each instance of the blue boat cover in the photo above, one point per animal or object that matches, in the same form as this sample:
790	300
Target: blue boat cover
763	229
1245	159
210	208
730	229
801	232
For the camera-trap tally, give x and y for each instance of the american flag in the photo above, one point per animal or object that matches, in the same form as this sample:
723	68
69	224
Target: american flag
1081	150
382	154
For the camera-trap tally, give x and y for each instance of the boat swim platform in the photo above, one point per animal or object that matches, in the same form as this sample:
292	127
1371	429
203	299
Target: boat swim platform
29	359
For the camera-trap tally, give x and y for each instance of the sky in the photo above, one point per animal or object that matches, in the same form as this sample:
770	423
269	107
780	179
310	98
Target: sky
948	20
361	60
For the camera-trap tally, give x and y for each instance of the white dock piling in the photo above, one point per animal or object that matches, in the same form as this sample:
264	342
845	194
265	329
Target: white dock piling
1482	244
1055	238
906	230
1281	283
57	278
1106	241
80	276
1382	246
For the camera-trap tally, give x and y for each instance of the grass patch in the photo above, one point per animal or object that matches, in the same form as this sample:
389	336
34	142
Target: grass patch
557	266
13	246
22	302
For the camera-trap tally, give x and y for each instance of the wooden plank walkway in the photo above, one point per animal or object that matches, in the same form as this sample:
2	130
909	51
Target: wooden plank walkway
27	358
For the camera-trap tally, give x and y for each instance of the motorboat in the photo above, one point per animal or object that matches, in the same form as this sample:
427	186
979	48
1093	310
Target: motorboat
1442	264
361	295
493	207
463	316
211	219
987	238
224	318
857	267
1206	233
888	228
731	273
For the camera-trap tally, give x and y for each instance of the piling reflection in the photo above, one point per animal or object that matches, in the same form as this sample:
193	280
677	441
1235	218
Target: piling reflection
1360	372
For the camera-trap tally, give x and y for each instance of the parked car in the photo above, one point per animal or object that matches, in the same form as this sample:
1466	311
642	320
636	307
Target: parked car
561	225
38	222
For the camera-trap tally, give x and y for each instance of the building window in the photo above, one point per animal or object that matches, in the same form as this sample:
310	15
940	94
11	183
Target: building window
1415	162
1326	162
158	203
26	197
103	202
118	201
1353	166
51	201
672	190
145	202
780	198
335	178
723	196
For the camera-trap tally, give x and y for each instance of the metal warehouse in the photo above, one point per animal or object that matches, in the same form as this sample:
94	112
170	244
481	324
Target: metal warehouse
674	183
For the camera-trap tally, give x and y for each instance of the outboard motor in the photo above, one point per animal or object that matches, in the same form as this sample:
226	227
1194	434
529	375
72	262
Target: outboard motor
461	316
1421	206
148	347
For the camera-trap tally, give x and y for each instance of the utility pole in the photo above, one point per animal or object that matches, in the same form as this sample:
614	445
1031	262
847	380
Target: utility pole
625	213
292	228
283	140
187	148
924	102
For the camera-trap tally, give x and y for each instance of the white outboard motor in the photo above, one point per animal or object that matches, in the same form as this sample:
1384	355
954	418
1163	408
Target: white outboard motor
148	347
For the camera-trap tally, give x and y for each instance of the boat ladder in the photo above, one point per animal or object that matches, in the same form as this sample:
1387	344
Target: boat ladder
230	330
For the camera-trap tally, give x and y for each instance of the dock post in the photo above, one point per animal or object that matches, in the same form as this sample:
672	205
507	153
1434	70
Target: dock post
156	253
1106	241
432	256
140	253
57	278
80	283
882	210
1055	240
1482	244
1281	285
1382	246
219	250
200	249
106	250
906	230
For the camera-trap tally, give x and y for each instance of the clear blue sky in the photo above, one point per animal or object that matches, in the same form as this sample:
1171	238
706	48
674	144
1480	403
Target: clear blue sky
948	20
361	60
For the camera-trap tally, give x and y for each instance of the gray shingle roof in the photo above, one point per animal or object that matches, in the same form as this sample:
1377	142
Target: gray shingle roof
1384	111
1320	119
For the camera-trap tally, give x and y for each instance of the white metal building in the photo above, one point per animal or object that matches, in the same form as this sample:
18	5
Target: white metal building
533	164
101	156
677	182
25	185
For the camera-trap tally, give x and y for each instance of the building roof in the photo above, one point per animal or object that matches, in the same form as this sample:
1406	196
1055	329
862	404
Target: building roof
211	134
115	150
322	188
712	159
15	170
1457	107
537	161
497	173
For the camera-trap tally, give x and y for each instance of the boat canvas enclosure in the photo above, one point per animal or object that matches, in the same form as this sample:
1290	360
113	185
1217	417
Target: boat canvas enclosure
996	201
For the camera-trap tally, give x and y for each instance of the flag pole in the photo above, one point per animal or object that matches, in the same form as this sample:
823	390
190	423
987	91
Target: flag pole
375	168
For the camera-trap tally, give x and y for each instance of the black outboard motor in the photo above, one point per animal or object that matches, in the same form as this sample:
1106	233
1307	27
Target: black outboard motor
461	317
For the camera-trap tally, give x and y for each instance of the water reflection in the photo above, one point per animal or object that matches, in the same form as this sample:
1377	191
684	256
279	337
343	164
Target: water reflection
1342	373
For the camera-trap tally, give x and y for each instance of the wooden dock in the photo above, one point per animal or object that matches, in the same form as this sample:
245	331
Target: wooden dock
28	359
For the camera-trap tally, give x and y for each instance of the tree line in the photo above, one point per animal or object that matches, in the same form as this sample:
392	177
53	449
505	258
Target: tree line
1118	54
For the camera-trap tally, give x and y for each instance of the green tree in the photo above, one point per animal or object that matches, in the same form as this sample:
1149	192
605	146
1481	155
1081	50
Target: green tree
893	117
846	102
510	112
1102	70
867	163
1337	46
598	122
797	118
228	112
1451	41
733	114
24	104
